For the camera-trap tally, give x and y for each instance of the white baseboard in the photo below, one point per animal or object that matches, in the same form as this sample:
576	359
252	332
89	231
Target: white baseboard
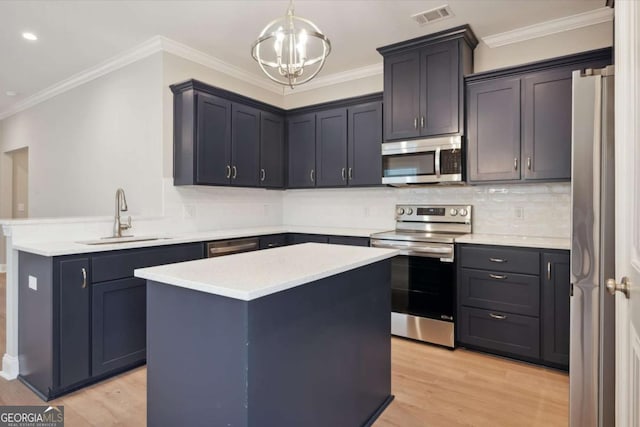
10	367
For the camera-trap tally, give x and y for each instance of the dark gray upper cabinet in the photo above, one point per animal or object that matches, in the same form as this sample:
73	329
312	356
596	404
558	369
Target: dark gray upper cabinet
218	137
556	289
74	287
331	148
539	148
401	95
301	132
245	146
546	125
364	129
213	139
271	150
423	84
493	143
440	82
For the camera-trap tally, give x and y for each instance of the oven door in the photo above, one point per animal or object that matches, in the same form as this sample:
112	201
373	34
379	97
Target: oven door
422	287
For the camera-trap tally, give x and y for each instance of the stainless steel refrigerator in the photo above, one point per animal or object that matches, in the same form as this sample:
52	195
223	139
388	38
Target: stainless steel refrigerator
592	348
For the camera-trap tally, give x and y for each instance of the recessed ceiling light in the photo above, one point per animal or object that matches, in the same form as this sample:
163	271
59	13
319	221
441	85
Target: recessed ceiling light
29	36
11	93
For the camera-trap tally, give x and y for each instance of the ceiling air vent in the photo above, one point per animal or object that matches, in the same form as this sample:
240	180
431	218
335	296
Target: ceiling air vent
433	15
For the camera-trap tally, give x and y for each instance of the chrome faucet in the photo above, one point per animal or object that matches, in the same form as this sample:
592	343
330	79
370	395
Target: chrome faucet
121	205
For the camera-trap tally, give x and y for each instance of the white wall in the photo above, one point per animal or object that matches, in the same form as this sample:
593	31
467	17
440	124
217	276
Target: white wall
87	142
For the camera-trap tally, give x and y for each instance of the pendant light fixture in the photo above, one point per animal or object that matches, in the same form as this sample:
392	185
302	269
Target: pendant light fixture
291	50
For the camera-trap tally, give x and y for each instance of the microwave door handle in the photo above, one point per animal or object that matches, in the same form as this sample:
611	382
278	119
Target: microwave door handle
437	162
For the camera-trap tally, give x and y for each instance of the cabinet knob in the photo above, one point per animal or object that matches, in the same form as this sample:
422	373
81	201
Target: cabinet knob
235	172
515	163
422	122
350	173
228	172
529	163
497	316
84	277
312	175
344	174
263	175
548	270
415	123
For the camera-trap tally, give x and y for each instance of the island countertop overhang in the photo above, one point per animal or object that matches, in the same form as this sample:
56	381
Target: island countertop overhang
251	275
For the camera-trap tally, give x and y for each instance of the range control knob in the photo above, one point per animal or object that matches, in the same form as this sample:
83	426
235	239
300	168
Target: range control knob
463	212
409	211
454	212
400	211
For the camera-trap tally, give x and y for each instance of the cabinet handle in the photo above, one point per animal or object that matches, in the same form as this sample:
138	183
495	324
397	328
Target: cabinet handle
499	260
422	122
228	171
549	270
312	175
84	277
235	172
263	175
529	163
350	173
497	276
515	163
415	123
497	316
344	174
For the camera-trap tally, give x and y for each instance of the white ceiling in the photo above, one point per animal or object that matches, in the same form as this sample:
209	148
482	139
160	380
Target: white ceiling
76	35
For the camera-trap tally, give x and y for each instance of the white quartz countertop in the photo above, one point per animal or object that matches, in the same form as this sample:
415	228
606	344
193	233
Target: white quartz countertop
522	241
67	247
251	275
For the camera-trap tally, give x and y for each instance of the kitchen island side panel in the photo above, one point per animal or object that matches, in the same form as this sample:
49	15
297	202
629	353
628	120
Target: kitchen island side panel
196	358
320	354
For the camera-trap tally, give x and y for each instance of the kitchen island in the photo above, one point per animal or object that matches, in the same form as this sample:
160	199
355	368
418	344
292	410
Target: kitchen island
290	336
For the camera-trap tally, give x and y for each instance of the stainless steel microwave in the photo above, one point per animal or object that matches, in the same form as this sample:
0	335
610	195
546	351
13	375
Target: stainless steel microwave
422	161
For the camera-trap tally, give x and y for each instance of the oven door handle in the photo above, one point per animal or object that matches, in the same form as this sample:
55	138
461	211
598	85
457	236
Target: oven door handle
445	254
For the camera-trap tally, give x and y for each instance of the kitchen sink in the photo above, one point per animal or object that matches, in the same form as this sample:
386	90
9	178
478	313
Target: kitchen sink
123	239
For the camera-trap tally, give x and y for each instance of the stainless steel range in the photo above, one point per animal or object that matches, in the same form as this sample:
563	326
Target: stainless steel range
423	275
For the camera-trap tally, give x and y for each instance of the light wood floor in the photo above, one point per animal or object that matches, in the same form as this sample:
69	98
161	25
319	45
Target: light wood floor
433	387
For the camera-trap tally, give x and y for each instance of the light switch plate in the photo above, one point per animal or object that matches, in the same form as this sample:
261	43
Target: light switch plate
33	283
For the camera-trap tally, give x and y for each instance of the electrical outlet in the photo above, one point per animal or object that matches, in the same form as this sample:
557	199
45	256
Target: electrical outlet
518	213
33	283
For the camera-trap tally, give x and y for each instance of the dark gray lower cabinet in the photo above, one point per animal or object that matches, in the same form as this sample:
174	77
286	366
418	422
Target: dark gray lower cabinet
273	241
74	293
349	240
86	319
514	302
295	238
118	324
556	294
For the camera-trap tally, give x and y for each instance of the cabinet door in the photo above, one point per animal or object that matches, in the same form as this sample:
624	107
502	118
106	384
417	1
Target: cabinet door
245	146
273	241
213	140
364	138
302	151
271	150
118	322
556	288
74	321
331	148
401	95
494	130
297	238
439	89
546	125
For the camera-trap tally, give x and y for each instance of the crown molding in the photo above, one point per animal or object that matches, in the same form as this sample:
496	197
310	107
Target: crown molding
114	63
567	23
332	79
162	44
206	60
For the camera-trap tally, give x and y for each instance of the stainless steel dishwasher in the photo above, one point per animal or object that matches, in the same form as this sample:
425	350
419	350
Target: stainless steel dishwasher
228	247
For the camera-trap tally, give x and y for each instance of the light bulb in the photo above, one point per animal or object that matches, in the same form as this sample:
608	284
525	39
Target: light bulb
277	44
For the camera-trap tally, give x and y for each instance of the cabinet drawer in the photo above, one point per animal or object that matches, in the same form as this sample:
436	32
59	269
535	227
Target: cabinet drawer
508	292
297	238
513	260
501	332
120	264
273	241
349	240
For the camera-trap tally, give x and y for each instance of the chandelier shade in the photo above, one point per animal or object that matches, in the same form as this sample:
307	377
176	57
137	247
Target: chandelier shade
291	50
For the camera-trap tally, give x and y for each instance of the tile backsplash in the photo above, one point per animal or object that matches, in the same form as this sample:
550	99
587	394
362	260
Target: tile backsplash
514	209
